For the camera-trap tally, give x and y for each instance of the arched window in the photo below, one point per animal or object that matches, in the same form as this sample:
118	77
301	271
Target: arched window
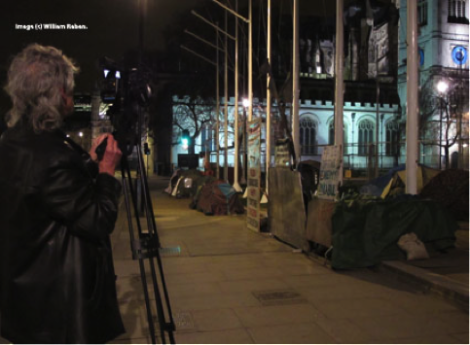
331	136
308	136
457	11
391	146
366	136
331	133
422	12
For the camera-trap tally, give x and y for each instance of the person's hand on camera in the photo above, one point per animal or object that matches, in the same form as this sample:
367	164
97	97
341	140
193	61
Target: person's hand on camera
111	158
98	140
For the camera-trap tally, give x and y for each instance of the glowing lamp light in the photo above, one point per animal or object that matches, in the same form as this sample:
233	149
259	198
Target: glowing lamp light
106	71
246	102
185	143
118	75
442	86
80	134
185	139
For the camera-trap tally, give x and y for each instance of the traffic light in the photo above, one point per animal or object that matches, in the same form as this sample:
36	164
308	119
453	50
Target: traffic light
185	139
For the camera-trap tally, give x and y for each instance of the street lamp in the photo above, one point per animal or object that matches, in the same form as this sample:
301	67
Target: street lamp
441	87
246	102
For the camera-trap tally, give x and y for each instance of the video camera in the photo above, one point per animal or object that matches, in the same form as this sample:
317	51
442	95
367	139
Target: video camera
126	91
120	83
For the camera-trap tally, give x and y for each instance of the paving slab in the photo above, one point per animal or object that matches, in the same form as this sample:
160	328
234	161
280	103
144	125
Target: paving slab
231	285
302	333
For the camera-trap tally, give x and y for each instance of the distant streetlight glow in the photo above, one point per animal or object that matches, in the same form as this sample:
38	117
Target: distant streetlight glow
246	102
80	134
442	87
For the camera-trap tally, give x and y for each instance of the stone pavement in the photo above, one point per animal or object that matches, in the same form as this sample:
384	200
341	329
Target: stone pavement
231	285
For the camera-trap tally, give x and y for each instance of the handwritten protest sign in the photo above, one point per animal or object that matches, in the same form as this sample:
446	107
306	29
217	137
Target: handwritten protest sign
329	170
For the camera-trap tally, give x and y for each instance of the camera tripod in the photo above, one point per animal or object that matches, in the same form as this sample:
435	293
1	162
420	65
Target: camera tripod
145	247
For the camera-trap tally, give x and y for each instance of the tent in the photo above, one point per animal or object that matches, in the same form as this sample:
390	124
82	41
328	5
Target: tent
182	183
397	184
450	189
376	186
216	197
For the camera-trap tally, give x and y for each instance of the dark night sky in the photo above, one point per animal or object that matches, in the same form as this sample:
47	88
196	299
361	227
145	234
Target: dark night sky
112	29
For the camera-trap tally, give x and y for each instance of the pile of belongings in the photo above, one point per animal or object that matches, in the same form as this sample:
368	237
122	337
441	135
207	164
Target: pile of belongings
216	197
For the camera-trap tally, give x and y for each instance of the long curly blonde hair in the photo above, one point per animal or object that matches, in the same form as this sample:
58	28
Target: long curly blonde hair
37	79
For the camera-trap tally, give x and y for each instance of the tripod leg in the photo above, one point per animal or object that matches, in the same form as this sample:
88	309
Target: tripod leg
153	230
126	184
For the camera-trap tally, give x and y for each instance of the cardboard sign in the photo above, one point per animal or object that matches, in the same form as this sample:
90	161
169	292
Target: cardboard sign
329	170
254	175
282	154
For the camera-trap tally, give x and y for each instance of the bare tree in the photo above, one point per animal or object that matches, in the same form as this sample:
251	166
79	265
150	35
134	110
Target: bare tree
193	114
441	115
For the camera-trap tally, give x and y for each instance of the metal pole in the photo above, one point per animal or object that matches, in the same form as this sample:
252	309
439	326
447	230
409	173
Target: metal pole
216	26
339	92
198	55
217	109
201	39
226	104
235	13
236	185
295	76
236	155
250	61
412	121
377	115
268	100
441	107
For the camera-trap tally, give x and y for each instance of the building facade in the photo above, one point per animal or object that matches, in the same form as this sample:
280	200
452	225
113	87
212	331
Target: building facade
365	124
443	77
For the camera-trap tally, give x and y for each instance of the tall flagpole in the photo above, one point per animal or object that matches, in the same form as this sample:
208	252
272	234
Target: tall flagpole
236	155
339	89
268	100
412	120
296	82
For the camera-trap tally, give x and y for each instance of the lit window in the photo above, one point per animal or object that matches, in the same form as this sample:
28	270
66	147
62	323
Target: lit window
366	136
308	136
391	147
422	12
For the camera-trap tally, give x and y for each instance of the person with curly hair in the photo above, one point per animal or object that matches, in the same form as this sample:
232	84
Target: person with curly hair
58	206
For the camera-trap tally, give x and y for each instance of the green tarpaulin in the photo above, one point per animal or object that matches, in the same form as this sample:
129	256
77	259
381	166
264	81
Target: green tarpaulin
366	232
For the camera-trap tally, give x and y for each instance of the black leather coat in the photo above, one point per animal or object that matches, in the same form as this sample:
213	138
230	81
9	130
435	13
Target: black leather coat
56	214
